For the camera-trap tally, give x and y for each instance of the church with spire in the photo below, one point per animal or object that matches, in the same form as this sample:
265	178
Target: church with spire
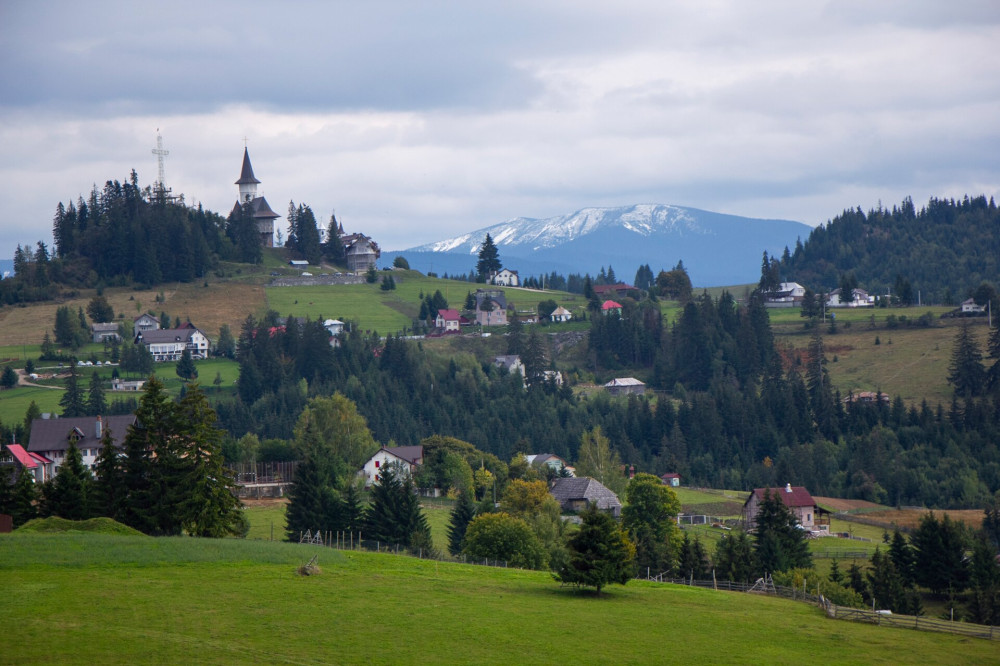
262	213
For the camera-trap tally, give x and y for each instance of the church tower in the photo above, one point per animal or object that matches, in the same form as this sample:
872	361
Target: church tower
262	213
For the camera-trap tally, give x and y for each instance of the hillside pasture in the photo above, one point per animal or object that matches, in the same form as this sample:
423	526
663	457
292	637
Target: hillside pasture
174	600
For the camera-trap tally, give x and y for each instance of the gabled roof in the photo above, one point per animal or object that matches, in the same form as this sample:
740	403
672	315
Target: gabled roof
560	311
411	454
623	381
584	488
449	314
791	496
21	456
104	327
507	361
611	305
162	335
145	315
53	434
246	173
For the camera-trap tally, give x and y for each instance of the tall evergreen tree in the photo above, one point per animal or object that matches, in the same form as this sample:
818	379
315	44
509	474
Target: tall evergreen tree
333	247
25	500
185	367
965	372
734	558
461	516
489	260
600	553
109	484
993	352
147	500
67	495
310	499
96	403
780	543
72	400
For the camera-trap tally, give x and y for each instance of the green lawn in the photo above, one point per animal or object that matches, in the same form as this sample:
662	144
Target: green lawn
87	598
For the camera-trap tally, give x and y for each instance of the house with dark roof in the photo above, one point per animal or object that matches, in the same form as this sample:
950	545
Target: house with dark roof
491	307
263	216
145	322
620	290
168	344
671	479
505	278
810	516
405	458
625	386
104	331
52	437
575	494
550	460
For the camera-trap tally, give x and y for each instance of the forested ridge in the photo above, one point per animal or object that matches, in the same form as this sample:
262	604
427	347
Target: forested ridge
944	250
731	413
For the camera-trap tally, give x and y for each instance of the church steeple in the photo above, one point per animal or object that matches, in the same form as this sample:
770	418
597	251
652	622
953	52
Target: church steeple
247	182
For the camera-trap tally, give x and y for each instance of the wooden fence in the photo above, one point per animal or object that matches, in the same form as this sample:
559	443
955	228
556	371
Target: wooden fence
880	618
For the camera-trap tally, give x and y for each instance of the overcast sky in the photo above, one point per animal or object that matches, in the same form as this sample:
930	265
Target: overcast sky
416	121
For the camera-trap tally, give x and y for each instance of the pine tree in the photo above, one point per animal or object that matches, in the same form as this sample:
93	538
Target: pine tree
489	260
25	500
96	403
461	516
208	507
309	499
185	367
333	248
993	352
110	478
72	400
67	495
734	558
780	544
353	511
147	502
965	372
902	557
9	378
599	553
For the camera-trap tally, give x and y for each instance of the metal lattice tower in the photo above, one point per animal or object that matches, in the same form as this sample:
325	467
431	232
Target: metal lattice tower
160	154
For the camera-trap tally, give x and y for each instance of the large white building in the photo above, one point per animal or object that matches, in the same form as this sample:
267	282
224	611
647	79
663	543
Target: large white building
168	344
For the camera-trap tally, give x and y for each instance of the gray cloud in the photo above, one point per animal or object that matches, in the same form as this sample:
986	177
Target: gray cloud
417	121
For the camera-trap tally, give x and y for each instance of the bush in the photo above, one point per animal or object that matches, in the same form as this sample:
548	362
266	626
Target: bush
500	536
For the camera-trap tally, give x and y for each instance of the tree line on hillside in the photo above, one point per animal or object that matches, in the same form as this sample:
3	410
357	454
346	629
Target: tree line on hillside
944	251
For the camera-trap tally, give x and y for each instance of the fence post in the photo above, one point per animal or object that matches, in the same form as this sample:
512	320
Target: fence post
715	584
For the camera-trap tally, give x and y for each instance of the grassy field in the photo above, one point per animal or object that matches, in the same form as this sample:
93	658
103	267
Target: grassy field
89	598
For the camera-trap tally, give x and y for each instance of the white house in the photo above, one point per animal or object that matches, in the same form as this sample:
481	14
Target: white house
553	376
145	322
625	386
169	344
506	278
860	299
334	327
122	385
405	458
561	314
448	320
510	363
51	438
788	294
971	307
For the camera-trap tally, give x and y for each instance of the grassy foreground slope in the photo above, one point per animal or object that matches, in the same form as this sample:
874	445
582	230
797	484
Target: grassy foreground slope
88	598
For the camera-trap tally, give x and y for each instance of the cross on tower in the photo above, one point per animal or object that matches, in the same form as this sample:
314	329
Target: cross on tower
160	154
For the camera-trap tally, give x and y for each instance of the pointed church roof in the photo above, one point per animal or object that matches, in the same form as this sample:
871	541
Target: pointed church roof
246	174
262	209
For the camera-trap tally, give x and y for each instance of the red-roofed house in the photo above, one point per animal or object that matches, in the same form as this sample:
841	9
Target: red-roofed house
15	456
449	320
672	480
796	498
607	307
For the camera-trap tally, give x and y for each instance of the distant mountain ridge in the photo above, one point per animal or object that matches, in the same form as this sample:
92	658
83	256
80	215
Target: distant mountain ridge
717	249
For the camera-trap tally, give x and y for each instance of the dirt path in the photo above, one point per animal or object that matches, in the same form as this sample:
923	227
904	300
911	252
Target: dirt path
23	380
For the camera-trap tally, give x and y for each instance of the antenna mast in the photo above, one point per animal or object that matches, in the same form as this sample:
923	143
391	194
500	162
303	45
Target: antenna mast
160	154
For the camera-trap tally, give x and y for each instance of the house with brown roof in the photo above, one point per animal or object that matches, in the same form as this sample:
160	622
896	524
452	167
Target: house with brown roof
576	494
560	314
620	290
405	458
810	516
52	437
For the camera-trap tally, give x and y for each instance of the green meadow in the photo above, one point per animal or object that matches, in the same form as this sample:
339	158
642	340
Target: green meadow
96	598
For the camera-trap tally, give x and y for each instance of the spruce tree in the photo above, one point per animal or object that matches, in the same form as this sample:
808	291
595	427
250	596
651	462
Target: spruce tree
966	372
25	500
9	378
309	500
489	260
780	543
67	495
72	400
146	505
599	553
96	403
185	366
352	510
110	478
461	516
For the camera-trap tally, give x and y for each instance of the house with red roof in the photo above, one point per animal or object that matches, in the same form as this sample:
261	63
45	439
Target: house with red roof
620	290
14	455
607	307
448	320
810	516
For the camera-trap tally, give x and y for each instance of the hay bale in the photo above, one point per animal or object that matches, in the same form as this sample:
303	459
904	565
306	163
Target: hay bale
310	568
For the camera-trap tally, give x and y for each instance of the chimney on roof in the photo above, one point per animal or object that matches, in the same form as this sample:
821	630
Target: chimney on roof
788	487
97	427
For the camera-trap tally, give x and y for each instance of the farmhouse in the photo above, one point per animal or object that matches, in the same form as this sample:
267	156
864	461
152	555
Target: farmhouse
334	327
625	386
575	494
14	455
671	479
122	385
491	307
505	278
788	294
51	438
607	307
263	216
145	322
796	498
405	458
107	331
560	314
859	298
169	344
969	306
448	320
510	363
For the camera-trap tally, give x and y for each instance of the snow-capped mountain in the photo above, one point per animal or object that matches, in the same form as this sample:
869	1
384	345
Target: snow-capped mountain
716	249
